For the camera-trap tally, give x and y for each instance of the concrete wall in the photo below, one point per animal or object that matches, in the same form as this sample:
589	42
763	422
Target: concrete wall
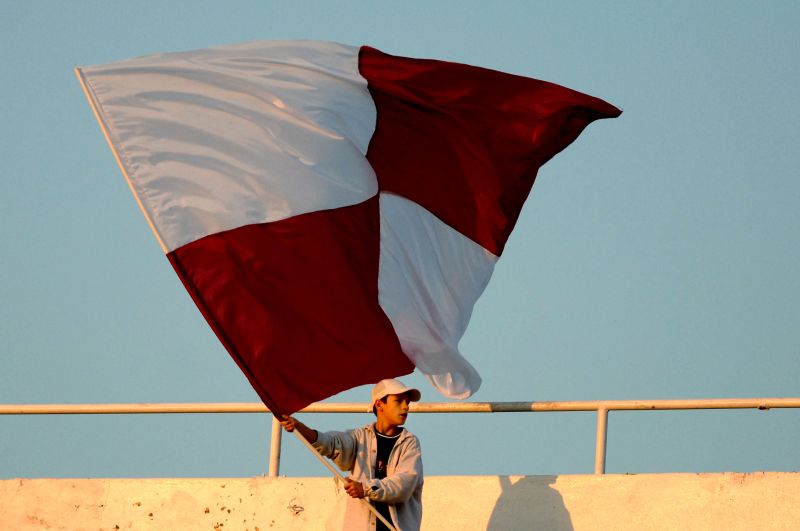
615	502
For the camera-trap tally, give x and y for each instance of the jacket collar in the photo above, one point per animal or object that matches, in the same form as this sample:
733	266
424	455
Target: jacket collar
371	429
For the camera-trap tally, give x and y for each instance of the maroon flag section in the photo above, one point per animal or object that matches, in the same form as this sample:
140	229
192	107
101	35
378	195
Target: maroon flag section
466	142
295	302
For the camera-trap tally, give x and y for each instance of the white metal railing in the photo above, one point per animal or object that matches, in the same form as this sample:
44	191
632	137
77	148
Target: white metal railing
602	407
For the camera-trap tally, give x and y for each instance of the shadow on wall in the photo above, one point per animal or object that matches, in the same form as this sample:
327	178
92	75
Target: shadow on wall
529	503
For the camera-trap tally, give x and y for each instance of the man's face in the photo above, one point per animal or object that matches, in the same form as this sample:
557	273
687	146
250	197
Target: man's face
395	410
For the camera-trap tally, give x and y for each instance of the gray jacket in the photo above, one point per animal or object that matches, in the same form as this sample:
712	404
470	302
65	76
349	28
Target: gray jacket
355	451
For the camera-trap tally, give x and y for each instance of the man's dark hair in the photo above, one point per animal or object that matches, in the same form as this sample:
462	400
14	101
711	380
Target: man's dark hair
374	411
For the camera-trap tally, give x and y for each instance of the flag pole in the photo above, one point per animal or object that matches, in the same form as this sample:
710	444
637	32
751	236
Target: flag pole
341	477
107	133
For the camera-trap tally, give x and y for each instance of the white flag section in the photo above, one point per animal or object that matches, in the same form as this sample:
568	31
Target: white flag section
430	278
225	137
334	211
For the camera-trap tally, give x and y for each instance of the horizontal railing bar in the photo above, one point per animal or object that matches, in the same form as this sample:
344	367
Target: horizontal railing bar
102	409
425	407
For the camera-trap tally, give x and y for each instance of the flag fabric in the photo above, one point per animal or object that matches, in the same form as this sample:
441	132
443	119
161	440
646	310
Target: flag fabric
333	211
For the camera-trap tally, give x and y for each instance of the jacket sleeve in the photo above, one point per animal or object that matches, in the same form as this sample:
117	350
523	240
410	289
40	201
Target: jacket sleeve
400	484
339	447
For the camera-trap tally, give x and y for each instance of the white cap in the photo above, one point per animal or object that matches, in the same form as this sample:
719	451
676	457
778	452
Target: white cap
394	387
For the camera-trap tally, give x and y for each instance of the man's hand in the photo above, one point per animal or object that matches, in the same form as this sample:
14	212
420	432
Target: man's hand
354	488
289	423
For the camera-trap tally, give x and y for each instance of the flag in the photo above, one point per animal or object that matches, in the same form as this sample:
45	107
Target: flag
333	211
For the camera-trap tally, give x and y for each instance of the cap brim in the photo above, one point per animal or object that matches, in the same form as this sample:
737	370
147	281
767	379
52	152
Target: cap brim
414	395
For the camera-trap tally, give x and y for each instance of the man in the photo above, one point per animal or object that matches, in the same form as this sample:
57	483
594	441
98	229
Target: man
384	461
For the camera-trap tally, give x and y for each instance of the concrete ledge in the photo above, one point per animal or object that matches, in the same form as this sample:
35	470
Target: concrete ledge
728	501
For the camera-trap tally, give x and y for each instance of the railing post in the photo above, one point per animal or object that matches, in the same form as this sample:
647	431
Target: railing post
275	449
600	445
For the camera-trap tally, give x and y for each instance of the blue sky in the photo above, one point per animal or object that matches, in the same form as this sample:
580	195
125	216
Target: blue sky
656	257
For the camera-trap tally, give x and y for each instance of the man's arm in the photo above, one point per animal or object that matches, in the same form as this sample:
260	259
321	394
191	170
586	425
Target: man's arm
339	447
290	424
